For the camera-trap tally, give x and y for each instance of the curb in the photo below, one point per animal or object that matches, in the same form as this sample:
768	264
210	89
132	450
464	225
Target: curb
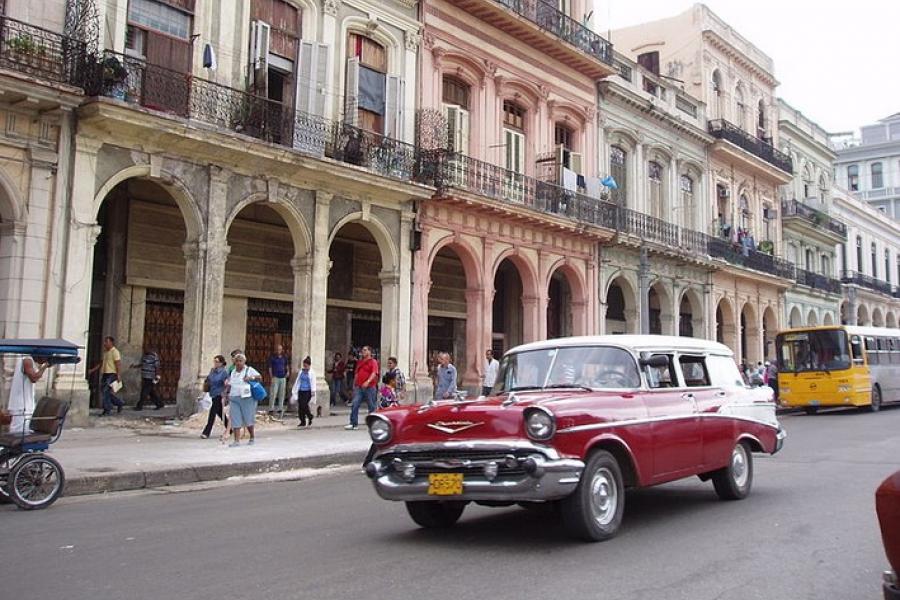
84	485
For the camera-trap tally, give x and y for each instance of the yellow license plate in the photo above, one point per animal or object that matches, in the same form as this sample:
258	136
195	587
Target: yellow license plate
445	484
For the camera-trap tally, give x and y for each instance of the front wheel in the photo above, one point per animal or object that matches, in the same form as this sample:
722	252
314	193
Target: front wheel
593	512
875	405
35	482
734	481
810	410
435	515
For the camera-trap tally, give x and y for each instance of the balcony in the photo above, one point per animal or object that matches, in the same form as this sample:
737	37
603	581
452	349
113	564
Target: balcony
723	130
40	53
751	259
818	282
865	281
541	25
813	221
157	88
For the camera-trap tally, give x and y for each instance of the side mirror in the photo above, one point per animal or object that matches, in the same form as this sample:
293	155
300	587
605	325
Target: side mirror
657	361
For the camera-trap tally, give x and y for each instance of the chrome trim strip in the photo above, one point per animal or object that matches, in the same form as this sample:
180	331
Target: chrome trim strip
630	422
481	445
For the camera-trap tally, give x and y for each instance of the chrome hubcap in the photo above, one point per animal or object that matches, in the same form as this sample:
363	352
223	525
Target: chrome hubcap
604	496
739	465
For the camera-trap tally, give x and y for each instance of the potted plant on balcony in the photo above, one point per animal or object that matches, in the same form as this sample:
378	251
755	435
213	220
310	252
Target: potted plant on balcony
767	247
24	50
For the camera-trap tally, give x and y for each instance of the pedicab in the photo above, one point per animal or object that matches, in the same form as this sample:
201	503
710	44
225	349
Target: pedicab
29	477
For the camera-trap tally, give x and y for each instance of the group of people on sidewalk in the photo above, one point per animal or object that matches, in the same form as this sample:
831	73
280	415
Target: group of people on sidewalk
368	383
110	371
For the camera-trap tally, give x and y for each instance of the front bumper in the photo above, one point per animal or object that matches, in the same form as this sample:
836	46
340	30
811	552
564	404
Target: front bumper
779	439
890	586
525	472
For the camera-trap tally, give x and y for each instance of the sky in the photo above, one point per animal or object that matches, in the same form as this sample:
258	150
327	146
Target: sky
837	62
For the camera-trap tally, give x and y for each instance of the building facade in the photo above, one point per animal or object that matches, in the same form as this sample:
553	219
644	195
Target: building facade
810	231
868	166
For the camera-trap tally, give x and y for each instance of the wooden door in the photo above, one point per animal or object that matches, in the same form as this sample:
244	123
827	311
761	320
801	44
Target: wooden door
163	322
265	329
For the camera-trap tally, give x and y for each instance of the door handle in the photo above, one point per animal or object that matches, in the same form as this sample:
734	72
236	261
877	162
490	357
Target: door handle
721	394
687	396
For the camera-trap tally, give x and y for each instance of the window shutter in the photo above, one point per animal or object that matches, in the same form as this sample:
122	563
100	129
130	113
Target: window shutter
351	92
311	78
575	162
462	128
321	92
260	33
393	110
452	115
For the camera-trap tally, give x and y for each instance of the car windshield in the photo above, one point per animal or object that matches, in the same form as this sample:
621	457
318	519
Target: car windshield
594	367
824	350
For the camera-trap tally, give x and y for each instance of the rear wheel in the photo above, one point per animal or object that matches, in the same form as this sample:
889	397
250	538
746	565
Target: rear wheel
875	405
734	481
593	512
35	482
435	515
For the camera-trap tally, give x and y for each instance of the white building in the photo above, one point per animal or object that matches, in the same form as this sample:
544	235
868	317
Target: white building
869	166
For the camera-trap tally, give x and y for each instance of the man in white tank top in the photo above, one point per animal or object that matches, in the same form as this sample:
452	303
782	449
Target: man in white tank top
21	393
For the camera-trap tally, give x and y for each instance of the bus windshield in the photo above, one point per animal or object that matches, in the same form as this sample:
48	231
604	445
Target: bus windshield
823	350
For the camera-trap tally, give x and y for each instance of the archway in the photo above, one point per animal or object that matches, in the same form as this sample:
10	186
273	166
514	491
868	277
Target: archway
725	323
8	215
138	282
890	320
258	307
690	315
796	318
566	303
877	317
862	316
750	342
621	309
452	311
812	319
508	311
770	330
660	309
845	313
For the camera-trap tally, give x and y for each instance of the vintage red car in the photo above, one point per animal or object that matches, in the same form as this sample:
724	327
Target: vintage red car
887	506
577	421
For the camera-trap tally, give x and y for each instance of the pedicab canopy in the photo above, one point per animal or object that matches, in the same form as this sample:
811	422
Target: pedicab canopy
55	351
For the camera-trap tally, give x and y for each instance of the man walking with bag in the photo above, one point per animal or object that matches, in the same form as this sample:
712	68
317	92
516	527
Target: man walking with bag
365	382
150	373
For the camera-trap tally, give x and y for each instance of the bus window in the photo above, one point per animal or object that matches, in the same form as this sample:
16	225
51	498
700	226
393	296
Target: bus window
812	351
871	352
856	346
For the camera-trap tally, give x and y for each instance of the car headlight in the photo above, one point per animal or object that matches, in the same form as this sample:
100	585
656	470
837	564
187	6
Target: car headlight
539	424
380	430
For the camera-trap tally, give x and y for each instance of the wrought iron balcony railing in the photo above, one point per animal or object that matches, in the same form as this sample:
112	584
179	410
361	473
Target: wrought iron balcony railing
868	282
751	259
546	15
723	130
794	208
41	53
818	282
137	82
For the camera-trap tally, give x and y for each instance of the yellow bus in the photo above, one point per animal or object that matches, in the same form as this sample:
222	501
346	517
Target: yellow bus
838	365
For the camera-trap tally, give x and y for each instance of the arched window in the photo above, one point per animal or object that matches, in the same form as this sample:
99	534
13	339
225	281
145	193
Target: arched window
745	212
565	141
807	182
514	136
874	260
740	115
366	96
618	170
716	107
688	210
761	120
810	260
859	254
877	176
655	177
887	265
455	104
823	188
826	266
853	178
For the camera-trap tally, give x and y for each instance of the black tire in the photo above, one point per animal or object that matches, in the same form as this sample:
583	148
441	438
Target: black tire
593	512
36	482
734	481
810	410
875	406
435	514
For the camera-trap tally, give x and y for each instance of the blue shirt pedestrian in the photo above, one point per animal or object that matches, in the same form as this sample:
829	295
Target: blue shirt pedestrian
217	378
305	384
278	363
446	382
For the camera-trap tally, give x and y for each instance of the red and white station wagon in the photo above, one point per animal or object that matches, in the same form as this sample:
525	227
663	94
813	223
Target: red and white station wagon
576	422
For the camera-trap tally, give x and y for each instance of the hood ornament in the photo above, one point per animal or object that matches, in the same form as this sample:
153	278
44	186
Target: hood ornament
451	427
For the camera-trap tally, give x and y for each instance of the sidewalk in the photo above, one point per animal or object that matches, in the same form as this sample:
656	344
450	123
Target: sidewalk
147	450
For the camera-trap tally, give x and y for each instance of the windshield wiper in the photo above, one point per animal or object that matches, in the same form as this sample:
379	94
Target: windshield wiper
568	386
525	388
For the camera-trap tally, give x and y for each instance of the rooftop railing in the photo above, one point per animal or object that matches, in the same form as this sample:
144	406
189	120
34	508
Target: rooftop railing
723	130
795	208
868	282
546	15
818	282
134	81
41	53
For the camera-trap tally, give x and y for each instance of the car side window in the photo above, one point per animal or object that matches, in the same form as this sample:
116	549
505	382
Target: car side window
694	370
662	377
723	372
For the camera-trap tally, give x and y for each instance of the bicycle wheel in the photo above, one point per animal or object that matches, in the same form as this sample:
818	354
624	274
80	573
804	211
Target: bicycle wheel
36	482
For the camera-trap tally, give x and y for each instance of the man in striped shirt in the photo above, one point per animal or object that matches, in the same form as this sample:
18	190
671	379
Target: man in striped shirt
150	372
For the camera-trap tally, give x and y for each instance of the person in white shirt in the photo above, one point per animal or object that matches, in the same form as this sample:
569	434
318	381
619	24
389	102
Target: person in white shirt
491	366
240	398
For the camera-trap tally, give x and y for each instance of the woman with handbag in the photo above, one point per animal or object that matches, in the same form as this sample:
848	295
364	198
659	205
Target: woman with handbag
214	385
242	391
304	392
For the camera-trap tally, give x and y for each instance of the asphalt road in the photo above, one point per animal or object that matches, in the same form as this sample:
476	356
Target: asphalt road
808	530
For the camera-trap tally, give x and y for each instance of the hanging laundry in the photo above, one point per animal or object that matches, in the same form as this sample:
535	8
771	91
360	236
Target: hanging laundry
371	90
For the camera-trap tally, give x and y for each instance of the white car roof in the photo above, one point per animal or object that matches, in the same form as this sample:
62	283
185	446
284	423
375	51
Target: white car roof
638	343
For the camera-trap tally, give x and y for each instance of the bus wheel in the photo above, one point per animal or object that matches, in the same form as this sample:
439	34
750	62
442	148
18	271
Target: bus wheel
810	410
876	400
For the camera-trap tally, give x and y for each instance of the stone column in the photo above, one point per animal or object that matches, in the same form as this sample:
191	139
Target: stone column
390	316
330	36
472	372
405	292
189	382
531	317
410	63
302	267
12	251
318	297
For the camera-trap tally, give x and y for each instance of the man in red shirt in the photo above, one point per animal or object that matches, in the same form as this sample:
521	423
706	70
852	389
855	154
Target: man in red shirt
364	385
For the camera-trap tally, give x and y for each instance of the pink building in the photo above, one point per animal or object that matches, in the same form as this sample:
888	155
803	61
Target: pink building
509	246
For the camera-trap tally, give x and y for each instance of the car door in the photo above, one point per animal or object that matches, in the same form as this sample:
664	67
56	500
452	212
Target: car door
677	442
716	430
